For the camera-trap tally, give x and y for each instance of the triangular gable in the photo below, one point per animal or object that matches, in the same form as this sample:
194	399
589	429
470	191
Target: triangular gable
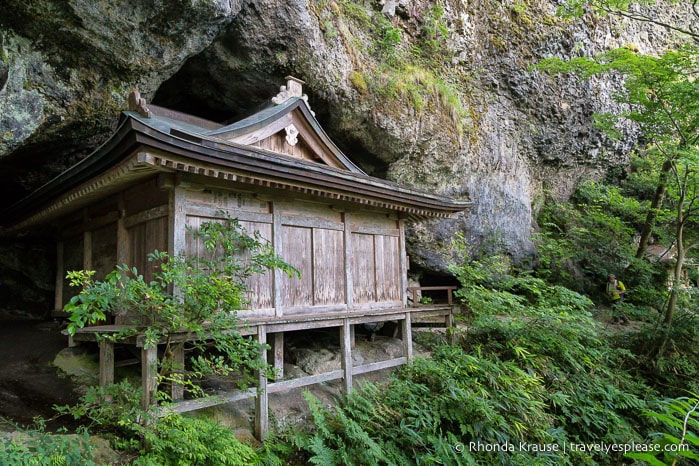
290	128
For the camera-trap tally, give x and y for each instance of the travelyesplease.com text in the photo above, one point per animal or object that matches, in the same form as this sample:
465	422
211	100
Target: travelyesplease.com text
604	448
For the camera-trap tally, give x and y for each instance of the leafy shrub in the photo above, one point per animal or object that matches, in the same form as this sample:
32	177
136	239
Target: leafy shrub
680	420
197	296
193	295
38	447
179	440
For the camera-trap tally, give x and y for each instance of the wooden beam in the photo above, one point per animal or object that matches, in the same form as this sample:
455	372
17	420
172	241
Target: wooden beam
262	400
304	381
206	402
149	376
379	365
215	212
146	215
346	349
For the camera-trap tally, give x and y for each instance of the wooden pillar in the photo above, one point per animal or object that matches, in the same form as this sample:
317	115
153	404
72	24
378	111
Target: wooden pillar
262	400
407	337
277	358
177	389
403	258
106	362
353	339
60	274
122	233
278	245
346	349
149	376
177	221
449	323
346	217
123	252
87	250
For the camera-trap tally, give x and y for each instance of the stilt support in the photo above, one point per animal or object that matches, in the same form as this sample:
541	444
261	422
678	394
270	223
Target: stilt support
106	363
149	376
346	348
177	389
262	401
407	336
278	354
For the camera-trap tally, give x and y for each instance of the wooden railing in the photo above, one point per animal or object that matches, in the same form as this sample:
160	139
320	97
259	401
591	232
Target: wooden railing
415	289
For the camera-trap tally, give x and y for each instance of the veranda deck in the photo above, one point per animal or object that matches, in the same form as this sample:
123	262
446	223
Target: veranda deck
261	329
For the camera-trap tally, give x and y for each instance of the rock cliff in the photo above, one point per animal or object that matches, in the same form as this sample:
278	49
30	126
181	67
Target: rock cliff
437	95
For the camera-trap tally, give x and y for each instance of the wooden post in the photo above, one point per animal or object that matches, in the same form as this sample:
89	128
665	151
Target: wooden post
106	363
278	354
177	389
407	337
346	347
449	322
403	263
149	376
346	217
353	339
262	400
87	250
60	273
122	233
277	244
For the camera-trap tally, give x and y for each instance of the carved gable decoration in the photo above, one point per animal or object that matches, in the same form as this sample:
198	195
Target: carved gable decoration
287	127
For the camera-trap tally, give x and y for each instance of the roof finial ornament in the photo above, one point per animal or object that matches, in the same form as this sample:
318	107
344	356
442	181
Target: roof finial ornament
293	88
138	104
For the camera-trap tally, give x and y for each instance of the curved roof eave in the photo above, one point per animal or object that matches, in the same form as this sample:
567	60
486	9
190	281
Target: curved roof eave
134	132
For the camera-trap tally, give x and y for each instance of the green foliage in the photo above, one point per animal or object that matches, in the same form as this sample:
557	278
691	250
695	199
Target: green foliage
38	447
532	371
197	296
179	440
549	331
114	410
432	41
680	438
192	296
577	8
581	243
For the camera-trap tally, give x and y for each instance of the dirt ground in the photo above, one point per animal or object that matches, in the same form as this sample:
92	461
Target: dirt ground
29	385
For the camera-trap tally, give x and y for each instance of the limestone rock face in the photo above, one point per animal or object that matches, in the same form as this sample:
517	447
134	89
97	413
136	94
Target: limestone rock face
438	95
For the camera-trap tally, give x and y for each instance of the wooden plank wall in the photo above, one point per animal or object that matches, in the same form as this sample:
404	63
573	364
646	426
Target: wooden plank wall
311	237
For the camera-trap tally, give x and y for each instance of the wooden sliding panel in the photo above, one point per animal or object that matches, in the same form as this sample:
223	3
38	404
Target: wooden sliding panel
328	267
388	269
298	251
261	286
363	269
144	238
104	250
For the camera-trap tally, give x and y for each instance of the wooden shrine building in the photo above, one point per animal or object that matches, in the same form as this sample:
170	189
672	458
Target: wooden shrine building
278	173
